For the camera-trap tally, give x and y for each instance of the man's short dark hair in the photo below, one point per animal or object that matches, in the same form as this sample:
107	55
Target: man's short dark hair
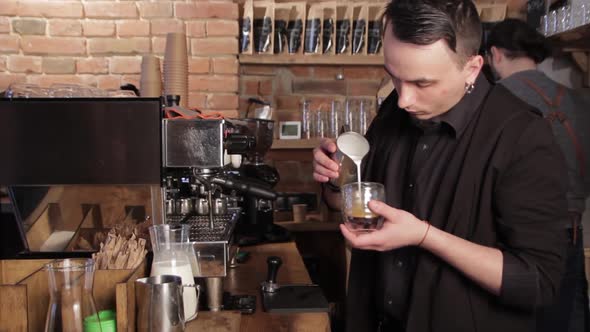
424	22
519	39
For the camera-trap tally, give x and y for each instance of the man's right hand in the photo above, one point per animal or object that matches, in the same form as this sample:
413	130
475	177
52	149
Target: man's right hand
324	168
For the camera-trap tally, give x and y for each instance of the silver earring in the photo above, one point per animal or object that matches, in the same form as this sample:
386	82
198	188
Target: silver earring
469	87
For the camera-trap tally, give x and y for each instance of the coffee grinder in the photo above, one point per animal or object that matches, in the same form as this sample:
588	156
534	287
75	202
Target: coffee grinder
256	224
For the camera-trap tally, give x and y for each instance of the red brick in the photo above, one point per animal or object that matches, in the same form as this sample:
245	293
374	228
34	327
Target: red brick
327	72
133	28
49	80
255	86
4	25
257	70
197	100
57	9
110	9
158	45
301	71
119	46
301	86
24	64
53	46
363	88
154	9
8	8
6	79
198	65
3	63
109	82
214	46
288	102
92	66
131	79
162	27
227	10
27	26
364	72
196	29
222	28
9	44
125	65
59	65
213	83
225	65
222	101
99	28
72	28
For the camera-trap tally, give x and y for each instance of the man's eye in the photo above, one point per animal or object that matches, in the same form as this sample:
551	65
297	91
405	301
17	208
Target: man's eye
423	84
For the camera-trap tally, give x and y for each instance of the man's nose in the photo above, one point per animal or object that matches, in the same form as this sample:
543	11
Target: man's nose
406	97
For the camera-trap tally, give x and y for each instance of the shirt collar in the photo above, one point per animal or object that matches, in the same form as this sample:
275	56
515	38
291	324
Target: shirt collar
459	115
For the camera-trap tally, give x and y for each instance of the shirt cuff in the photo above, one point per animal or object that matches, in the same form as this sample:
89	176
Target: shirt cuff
520	283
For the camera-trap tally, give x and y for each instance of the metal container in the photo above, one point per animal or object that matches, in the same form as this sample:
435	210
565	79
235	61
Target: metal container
202	206
219	206
186	206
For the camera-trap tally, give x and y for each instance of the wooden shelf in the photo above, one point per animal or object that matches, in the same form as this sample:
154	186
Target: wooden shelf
295	143
577	39
311	59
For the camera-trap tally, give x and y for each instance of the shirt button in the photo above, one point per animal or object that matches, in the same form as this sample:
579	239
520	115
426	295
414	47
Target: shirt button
411	185
425	147
390	302
400	263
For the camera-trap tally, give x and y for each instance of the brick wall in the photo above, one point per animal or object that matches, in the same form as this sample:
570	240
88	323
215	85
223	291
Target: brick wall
287	86
100	43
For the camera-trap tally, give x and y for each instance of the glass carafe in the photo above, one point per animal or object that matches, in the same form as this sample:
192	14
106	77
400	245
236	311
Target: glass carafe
70	287
174	255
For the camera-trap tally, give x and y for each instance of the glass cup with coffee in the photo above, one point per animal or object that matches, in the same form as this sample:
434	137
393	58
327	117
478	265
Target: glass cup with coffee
356	213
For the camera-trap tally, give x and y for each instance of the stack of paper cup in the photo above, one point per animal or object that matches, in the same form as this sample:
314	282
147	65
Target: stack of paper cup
176	67
151	77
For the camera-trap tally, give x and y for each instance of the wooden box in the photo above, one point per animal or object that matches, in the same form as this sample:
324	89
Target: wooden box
24	294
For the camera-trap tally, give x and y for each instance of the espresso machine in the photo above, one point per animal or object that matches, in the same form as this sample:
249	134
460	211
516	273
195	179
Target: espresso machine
257	224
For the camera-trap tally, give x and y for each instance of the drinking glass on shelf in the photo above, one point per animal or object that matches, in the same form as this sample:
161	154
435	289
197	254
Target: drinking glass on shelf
306	118
563	19
355	210
321	123
543	25
335	118
552	23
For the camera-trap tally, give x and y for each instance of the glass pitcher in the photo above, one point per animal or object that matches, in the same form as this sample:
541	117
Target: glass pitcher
70	287
174	255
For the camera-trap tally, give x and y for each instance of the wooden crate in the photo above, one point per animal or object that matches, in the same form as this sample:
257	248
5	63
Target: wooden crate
24	294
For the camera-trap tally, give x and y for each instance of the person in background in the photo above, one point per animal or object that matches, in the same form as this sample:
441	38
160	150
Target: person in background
514	49
475	202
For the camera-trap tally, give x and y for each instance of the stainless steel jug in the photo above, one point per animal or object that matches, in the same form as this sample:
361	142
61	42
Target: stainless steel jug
159	302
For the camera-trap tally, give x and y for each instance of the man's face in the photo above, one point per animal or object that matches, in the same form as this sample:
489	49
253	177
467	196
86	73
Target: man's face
427	78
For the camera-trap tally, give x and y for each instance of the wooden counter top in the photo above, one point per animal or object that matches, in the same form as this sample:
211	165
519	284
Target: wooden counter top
246	279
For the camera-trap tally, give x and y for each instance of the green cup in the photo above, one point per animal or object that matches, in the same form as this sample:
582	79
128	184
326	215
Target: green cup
105	321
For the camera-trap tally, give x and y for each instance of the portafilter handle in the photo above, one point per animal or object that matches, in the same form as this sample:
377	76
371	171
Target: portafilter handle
273	263
245	187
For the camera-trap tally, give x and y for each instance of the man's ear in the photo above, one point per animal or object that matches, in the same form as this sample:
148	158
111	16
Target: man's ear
497	55
472	68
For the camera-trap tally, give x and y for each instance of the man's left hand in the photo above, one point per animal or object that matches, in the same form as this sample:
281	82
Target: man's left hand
400	229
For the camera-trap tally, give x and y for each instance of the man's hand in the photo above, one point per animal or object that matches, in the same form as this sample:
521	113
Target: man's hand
400	229
324	168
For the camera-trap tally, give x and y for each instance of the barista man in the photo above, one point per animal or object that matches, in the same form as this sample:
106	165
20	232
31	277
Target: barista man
472	239
514	50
